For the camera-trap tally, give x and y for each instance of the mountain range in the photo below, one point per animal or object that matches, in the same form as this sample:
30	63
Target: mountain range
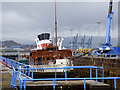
11	43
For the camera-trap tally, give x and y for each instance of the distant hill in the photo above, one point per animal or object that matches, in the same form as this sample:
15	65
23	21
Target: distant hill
11	43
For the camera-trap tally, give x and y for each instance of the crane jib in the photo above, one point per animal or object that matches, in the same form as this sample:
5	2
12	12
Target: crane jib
110	7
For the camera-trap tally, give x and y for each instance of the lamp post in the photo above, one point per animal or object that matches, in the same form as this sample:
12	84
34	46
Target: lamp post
79	40
99	22
71	38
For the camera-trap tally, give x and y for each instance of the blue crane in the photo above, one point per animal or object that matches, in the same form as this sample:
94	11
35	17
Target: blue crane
106	48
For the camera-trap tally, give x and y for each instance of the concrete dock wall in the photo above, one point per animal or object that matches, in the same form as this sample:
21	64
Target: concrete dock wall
111	66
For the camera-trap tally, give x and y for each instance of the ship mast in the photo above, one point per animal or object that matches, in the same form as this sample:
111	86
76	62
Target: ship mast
56	29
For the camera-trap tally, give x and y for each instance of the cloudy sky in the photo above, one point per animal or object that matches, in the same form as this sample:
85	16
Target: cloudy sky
23	21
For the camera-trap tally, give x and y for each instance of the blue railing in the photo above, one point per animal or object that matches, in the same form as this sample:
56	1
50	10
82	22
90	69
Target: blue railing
16	66
26	71
12	63
22	82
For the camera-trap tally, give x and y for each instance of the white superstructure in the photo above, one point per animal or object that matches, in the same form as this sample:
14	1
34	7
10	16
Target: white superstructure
43	41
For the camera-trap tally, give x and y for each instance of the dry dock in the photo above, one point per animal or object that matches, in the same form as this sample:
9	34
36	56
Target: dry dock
77	84
77	77
111	67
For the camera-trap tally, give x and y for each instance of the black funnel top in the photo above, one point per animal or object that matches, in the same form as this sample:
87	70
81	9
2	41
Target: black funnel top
44	36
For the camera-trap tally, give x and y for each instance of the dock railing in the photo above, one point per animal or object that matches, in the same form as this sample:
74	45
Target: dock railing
22	82
25	73
15	65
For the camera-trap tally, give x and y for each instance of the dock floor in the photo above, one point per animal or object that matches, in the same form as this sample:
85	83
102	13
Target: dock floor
76	84
67	83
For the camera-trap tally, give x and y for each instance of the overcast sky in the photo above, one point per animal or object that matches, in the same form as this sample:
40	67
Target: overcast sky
23	21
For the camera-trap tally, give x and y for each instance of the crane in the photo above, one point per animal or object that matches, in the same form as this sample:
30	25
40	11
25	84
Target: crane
106	48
